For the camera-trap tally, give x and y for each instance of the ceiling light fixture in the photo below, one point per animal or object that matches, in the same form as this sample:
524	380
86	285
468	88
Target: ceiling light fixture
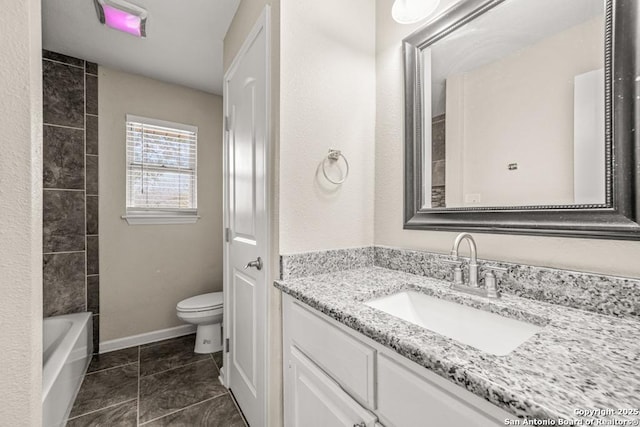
412	11
122	16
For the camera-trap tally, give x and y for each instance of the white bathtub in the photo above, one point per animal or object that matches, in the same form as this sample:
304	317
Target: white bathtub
67	348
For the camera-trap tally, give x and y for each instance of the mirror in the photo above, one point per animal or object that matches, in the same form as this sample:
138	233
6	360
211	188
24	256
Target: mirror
511	115
517	108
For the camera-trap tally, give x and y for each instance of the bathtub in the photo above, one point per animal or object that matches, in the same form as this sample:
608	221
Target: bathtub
67	348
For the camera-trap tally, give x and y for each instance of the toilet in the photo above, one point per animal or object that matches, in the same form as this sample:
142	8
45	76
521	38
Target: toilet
205	311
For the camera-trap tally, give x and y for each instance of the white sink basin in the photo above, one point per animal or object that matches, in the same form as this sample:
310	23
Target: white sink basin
481	329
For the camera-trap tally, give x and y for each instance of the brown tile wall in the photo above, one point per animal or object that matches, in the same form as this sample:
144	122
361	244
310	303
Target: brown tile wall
438	149
438	197
70	177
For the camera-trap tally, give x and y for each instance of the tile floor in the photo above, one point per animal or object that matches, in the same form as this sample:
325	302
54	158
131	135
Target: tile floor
159	384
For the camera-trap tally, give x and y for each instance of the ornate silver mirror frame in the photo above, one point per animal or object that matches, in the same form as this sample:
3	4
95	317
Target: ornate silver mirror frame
618	218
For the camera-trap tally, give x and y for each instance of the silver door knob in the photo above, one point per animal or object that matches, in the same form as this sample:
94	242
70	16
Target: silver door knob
257	264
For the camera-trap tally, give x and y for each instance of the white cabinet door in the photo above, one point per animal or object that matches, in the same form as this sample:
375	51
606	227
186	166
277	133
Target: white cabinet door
314	400
408	399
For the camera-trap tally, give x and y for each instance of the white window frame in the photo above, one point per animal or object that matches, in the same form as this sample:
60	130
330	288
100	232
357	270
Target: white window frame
141	216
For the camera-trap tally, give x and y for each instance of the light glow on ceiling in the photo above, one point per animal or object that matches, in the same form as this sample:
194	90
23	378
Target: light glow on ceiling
122	16
411	11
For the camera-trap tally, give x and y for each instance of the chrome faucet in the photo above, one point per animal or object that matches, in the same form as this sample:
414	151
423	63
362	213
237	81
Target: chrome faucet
473	263
490	290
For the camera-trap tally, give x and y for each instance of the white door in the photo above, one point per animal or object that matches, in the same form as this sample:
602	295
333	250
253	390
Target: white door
246	200
316	401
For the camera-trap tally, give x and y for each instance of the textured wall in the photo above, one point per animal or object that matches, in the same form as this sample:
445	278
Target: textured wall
20	214
600	256
327	78
147	269
70	177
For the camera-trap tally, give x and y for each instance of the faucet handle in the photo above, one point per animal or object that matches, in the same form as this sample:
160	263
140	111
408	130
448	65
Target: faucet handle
490	285
458	279
490	281
457	271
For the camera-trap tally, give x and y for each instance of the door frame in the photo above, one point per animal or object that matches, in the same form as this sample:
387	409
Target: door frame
263	23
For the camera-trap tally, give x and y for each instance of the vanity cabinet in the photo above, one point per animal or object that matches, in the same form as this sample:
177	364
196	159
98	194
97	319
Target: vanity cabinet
334	376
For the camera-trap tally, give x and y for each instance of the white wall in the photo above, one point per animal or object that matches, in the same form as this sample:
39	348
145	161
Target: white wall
496	128
604	256
21	214
145	270
327	85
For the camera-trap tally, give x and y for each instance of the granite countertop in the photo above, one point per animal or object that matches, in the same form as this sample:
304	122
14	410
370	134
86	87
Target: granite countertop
579	361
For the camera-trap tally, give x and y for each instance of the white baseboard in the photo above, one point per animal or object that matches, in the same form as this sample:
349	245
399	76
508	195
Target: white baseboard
146	338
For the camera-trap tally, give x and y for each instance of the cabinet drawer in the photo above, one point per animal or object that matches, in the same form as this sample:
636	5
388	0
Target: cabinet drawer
407	399
348	361
316	401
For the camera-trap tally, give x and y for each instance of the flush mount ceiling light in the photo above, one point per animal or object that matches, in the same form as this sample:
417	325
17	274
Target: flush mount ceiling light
411	11
122	16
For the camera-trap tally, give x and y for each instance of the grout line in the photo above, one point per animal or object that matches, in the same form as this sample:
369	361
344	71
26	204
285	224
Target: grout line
90	62
101	409
89	114
62	126
138	401
94	275
166	340
86	242
64	63
63	189
177	367
111	368
64	252
91	155
186	407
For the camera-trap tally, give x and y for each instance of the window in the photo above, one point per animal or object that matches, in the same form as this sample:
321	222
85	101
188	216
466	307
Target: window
161	172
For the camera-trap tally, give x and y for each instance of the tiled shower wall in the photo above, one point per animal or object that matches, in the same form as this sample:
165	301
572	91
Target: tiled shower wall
438	162
70	202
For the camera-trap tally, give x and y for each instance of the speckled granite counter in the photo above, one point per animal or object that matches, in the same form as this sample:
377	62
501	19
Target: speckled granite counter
580	361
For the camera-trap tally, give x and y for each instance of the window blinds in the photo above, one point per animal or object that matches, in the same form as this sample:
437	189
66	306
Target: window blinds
161	166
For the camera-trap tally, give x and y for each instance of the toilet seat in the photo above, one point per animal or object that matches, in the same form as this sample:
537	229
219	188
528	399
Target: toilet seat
204	302
204	316
206	313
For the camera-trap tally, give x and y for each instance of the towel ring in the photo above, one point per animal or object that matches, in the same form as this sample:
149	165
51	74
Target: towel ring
334	156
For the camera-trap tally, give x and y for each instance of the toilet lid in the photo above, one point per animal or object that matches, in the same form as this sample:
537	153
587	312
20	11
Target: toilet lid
201	302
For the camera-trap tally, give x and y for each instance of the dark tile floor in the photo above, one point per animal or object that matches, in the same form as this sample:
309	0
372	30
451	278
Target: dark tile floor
159	384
